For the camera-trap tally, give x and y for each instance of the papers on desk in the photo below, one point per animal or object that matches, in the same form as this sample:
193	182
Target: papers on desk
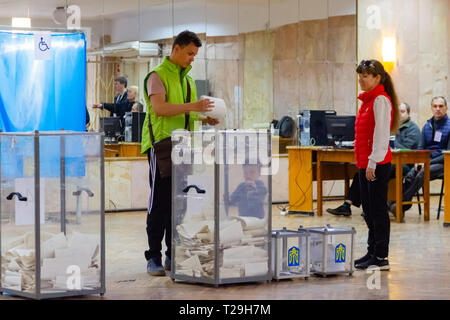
62	260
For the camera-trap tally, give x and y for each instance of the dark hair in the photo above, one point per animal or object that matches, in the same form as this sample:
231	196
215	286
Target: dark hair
439	97
185	38
408	108
121	80
374	67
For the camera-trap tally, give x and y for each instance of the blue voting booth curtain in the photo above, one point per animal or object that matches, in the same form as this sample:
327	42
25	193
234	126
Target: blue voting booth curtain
44	95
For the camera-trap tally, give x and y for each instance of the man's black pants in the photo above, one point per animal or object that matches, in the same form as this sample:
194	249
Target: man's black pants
160	212
374	203
414	180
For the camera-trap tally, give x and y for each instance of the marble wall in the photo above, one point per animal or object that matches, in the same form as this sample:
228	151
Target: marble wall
262	75
265	75
423	47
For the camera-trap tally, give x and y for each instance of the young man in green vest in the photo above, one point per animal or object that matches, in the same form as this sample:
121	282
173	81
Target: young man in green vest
166	96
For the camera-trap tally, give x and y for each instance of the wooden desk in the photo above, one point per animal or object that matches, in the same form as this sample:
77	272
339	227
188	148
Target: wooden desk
301	175
123	150
303	171
446	188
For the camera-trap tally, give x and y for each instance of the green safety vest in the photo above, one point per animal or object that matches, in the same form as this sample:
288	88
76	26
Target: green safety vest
174	79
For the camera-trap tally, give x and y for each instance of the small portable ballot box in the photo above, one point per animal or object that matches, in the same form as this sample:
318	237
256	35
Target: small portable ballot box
52	230
290	254
331	250
221	206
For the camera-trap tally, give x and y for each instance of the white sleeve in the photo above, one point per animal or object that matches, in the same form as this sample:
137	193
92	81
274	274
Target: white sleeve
382	114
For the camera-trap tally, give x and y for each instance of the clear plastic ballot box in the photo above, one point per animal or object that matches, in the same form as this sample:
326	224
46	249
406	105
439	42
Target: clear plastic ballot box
331	250
290	253
221	208
52	229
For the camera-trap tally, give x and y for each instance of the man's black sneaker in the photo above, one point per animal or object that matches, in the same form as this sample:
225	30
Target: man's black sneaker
167	264
363	259
393	208
382	264
342	210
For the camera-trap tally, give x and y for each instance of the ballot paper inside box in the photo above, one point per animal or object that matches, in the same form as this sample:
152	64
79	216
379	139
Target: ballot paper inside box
290	253
52	214
331	250
221	208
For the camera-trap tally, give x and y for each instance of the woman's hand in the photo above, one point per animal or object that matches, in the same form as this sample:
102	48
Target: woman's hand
370	174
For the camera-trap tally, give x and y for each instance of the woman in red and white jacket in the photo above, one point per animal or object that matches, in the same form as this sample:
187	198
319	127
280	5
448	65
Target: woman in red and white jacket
376	119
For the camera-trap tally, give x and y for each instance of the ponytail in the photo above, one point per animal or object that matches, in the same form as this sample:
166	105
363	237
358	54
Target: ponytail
390	90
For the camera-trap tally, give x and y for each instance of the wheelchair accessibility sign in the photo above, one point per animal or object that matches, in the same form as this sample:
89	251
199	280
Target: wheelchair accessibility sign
42	46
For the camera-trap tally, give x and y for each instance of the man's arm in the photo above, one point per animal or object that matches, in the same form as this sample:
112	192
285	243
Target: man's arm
440	158
410	140
422	141
118	108
166	109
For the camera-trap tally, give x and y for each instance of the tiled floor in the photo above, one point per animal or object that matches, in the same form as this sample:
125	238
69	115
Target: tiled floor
419	259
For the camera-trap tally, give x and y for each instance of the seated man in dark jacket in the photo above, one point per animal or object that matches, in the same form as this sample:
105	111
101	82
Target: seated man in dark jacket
435	137
408	137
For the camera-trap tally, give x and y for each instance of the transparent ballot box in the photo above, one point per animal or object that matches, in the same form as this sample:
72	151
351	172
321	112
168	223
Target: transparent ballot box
331	250
221	208
290	253
52	229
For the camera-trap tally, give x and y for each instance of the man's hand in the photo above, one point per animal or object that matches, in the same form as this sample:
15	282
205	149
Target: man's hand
211	121
370	174
203	105
97	106
418	167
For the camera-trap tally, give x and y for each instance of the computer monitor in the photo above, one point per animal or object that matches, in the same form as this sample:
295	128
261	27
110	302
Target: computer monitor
112	127
340	129
137	121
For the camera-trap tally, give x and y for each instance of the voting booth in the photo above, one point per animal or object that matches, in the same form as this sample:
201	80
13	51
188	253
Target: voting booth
52	229
221	206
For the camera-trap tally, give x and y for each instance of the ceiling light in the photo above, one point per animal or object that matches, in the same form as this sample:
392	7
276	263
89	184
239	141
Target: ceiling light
21	22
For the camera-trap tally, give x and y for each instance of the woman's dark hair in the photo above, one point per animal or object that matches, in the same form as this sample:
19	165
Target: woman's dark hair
374	67
185	38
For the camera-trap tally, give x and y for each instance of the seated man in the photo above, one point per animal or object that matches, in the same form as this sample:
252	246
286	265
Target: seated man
435	137
408	137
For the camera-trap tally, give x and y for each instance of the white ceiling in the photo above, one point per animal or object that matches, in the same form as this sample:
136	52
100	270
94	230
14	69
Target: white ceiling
90	9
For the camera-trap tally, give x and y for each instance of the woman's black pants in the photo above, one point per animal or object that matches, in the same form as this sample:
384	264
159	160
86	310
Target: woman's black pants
374	203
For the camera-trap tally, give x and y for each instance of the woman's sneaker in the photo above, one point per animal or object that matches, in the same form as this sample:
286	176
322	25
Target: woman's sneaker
363	259
381	263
